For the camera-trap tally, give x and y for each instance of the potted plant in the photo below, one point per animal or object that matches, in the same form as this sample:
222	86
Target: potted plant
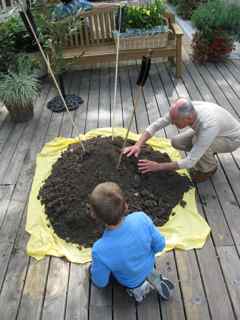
143	26
218	27
18	89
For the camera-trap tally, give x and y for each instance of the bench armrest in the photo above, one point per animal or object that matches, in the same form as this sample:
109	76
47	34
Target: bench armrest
176	29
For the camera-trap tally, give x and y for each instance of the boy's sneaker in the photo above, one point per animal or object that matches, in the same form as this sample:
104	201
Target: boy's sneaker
140	292
167	281
163	285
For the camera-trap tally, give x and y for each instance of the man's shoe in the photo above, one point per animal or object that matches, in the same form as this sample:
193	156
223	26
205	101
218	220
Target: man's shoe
199	176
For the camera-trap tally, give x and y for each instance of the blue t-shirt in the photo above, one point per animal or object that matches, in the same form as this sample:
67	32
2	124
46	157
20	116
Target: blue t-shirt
128	252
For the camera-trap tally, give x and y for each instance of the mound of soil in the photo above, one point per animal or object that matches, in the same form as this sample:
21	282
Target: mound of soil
65	192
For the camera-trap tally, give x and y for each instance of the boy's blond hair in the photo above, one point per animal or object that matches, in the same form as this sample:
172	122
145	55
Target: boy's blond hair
108	203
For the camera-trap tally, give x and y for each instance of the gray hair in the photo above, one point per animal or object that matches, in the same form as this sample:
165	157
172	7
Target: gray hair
186	109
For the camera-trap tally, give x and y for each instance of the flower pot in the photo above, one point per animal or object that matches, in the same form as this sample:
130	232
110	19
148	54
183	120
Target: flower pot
142	39
20	113
212	49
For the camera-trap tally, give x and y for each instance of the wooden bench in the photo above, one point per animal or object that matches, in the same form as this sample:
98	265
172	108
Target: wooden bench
92	42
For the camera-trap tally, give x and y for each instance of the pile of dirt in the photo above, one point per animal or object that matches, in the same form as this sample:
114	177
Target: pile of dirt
65	192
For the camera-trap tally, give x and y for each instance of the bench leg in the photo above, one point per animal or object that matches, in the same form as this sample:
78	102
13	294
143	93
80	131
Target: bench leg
178	56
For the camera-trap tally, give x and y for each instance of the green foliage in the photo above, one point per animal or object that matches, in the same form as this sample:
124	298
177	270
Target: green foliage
18	88
217	15
145	16
218	25
185	8
14	40
173	2
52	34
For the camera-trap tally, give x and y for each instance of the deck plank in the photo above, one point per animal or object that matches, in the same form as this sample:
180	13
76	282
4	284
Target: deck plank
93	103
81	113
56	290
126	97
16	272
78	289
116	119
195	301
231	264
174	308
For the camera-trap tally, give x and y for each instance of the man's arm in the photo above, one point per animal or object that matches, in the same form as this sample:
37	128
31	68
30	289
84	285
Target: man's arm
100	274
148	133
159	124
146	166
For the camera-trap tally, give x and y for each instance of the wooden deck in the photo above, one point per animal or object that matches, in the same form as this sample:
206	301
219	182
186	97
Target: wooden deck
207	280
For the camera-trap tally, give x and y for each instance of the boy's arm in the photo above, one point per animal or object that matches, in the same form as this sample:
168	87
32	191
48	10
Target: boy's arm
158	240
100	274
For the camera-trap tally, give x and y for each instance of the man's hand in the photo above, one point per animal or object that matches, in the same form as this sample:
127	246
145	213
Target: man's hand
145	166
132	151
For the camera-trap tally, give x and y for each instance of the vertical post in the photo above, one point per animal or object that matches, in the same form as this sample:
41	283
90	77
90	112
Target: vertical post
178	55
61	85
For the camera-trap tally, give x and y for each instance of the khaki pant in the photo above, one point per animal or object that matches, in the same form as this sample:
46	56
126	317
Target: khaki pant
185	141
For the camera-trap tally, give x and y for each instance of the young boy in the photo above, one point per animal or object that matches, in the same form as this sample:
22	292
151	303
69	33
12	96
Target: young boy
127	247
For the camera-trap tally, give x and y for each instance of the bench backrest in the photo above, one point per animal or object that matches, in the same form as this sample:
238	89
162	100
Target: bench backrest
97	27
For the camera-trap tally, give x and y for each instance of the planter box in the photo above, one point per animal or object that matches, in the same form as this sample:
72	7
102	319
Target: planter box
142	39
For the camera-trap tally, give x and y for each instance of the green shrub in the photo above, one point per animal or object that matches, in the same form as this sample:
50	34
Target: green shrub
217	15
174	2
185	8
218	25
145	16
14	40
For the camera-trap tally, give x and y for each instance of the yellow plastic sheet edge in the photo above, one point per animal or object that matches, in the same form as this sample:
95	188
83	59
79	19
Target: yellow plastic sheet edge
185	230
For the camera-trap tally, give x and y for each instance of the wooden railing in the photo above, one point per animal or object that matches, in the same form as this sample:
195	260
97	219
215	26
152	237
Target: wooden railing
4	4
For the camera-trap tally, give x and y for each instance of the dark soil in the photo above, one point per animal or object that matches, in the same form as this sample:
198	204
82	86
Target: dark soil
75	174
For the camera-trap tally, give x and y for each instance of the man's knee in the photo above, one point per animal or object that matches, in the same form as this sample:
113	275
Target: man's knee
181	144
175	143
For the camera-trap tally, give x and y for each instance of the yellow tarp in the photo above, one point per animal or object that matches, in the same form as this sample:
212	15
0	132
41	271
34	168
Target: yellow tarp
184	230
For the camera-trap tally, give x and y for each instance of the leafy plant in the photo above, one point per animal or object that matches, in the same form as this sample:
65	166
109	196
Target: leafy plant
14	40
53	33
145	16
174	2
217	15
218	25
185	8
18	88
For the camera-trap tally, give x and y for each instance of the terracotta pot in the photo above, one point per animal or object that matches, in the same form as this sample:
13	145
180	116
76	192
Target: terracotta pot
20	113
